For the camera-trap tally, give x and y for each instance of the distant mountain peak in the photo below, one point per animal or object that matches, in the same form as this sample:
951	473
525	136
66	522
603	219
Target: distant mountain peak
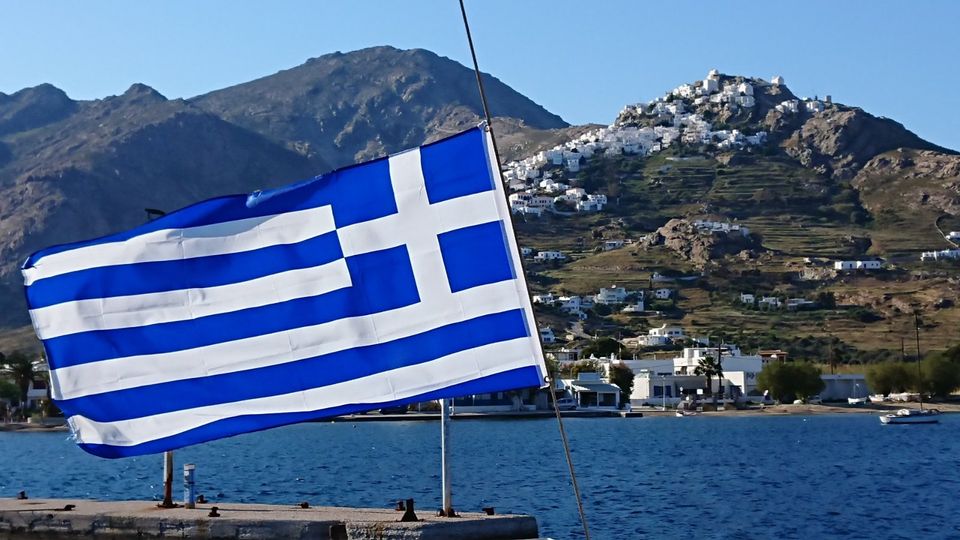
34	107
346	107
143	93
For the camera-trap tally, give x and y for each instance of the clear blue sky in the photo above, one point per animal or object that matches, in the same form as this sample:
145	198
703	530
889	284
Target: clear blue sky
581	60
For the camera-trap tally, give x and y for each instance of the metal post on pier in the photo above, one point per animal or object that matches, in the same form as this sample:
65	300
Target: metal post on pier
167	480
189	486
447	510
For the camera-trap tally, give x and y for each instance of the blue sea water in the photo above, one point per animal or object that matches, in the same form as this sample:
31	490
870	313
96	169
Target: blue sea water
843	476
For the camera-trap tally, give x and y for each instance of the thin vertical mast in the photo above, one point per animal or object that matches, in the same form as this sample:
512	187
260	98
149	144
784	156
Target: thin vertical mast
916	321
551	377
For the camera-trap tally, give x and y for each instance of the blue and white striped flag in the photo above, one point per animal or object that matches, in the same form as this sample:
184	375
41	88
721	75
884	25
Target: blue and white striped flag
389	282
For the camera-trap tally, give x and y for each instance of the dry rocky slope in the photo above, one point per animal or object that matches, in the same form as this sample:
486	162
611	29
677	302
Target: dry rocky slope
360	105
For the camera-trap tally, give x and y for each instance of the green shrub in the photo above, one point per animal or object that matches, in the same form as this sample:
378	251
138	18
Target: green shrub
785	381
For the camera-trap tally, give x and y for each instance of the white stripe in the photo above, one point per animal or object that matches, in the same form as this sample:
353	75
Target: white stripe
503	208
154	308
383	387
281	347
174	244
388	232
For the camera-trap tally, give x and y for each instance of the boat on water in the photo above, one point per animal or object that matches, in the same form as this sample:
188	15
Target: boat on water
682	413
911	416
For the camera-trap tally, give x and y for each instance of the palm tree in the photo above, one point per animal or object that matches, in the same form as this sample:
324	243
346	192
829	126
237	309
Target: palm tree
21	369
707	367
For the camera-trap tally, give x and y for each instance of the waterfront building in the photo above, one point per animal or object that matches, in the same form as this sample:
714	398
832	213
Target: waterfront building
591	391
658	381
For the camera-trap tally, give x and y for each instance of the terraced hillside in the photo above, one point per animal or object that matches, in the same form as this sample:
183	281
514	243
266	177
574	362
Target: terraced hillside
797	212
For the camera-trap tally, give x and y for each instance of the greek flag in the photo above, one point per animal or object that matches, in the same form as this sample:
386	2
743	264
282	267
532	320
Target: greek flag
389	282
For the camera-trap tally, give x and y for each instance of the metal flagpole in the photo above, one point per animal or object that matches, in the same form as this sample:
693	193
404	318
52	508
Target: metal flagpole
153	213
447	510
550	377
167	480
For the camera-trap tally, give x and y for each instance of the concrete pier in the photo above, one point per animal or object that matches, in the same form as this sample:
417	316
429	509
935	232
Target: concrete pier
55	518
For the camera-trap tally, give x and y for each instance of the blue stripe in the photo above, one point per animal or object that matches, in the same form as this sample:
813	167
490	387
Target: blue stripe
357	193
300	375
382	280
173	275
525	377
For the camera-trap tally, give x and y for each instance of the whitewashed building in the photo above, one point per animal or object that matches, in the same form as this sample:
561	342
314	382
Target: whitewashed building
668	332
611	295
547	335
943	254
542	256
609	245
857	265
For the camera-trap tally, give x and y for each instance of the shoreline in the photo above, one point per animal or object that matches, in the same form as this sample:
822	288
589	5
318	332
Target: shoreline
772	410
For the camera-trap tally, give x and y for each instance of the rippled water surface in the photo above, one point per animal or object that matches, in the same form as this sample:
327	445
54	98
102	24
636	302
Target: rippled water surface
790	477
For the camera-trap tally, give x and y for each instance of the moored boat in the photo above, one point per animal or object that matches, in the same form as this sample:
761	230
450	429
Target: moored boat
911	416
914	416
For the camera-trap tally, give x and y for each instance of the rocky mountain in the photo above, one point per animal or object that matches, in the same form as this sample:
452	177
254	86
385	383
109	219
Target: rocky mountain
33	107
85	169
72	170
350	107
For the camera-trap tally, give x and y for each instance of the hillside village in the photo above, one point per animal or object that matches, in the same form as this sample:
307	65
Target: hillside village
655	290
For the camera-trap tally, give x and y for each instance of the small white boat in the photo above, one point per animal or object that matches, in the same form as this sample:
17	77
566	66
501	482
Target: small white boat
681	414
911	416
857	400
877	398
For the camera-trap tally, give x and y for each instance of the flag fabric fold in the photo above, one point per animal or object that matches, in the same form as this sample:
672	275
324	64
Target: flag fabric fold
389	282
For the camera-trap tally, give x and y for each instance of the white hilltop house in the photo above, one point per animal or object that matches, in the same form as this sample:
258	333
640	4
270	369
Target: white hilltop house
943	254
542	256
662	293
704	225
769	302
848	266
747	298
667	332
547	335
545	299
611	295
610	245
